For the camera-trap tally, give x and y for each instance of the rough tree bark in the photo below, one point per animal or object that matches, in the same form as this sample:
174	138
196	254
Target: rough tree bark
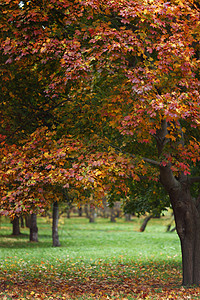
55	235
186	210
33	228
187	219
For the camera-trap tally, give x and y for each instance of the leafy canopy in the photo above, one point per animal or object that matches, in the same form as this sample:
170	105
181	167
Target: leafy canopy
119	77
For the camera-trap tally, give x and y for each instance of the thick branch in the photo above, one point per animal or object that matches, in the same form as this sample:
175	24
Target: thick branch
151	161
161	137
148	160
168	179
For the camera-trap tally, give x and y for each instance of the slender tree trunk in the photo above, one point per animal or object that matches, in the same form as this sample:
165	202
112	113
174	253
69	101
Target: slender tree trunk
187	219
80	211
144	224
92	214
33	228
68	214
170	225
16	227
112	215
105	208
22	222
127	217
86	211
28	221
55	235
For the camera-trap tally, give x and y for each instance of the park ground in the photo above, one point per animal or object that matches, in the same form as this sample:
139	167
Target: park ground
100	260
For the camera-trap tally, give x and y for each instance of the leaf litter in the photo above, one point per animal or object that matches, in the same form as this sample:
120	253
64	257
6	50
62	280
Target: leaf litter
95	280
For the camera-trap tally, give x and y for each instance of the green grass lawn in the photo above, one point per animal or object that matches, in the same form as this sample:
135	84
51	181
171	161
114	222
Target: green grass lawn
100	260
81	240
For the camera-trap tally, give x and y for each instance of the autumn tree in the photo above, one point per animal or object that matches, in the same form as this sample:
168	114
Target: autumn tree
130	73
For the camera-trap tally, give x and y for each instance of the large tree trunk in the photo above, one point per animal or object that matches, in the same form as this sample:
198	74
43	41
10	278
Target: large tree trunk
188	228
33	228
55	235
15	225
187	219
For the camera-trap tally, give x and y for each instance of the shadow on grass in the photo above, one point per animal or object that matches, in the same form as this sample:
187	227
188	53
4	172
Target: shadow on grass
21	241
26	245
21	235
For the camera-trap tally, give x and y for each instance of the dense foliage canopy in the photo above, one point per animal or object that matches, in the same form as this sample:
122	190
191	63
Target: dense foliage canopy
115	82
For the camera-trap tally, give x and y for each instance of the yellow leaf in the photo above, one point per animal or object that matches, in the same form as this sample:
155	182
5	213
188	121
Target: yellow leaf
98	172
168	136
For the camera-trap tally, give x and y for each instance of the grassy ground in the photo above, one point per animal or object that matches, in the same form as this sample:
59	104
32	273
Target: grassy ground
102	260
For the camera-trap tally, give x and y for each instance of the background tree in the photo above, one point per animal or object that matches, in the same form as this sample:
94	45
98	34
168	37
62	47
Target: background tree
146	197
55	236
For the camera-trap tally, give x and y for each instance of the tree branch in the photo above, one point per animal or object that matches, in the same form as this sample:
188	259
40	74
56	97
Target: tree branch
160	137
168	179
148	160
151	161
